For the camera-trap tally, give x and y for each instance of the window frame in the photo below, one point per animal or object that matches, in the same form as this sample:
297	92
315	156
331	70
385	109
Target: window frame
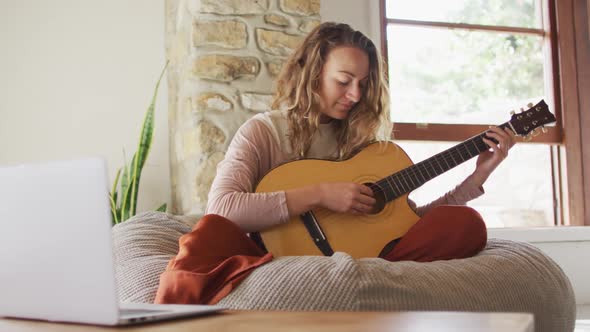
573	53
569	68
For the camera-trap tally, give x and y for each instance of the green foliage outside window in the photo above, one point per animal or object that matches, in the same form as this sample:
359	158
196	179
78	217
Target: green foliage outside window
449	74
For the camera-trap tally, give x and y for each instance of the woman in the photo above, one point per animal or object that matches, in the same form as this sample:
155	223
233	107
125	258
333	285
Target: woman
332	97
331	100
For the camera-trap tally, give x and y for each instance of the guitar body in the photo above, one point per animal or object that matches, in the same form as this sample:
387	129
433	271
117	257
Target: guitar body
359	236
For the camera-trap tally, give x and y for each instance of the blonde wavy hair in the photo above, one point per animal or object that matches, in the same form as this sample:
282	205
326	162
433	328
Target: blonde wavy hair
299	81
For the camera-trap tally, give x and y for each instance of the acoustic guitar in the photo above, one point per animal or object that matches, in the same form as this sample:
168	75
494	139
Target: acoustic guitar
390	173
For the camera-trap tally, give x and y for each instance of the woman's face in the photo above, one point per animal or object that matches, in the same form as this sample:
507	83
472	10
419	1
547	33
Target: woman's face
342	82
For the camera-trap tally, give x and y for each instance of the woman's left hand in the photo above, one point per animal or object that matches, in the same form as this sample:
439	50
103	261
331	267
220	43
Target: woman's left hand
490	159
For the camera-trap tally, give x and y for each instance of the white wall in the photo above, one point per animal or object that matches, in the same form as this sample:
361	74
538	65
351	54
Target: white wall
362	15
76	77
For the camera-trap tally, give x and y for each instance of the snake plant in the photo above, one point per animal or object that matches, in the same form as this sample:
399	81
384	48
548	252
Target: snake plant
123	195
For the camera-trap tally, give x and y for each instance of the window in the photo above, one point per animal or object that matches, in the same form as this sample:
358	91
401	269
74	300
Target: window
458	66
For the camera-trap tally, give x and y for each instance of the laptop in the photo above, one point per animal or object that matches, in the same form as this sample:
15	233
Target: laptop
56	255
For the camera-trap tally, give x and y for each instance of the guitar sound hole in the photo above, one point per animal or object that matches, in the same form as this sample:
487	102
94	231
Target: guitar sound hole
378	195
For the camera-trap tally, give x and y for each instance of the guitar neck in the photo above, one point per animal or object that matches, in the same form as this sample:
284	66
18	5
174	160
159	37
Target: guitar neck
412	177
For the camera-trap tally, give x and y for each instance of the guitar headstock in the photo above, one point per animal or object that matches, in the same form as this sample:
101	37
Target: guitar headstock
525	123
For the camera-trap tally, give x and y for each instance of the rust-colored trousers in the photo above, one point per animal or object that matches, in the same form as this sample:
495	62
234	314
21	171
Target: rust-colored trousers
217	255
445	232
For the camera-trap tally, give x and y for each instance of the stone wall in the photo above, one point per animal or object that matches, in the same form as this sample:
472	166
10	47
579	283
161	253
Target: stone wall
224	55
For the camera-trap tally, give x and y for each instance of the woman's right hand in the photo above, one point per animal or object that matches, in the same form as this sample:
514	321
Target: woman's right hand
346	197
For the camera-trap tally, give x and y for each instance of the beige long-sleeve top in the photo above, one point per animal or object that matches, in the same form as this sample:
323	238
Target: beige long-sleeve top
261	144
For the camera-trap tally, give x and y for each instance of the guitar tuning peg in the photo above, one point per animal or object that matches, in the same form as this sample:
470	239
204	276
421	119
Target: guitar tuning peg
527	138
535	132
512	112
544	130
521	110
529	105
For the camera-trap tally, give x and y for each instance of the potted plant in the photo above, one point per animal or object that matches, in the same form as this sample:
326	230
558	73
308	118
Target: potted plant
123	195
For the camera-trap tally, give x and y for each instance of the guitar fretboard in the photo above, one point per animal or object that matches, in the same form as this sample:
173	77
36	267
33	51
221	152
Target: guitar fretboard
412	177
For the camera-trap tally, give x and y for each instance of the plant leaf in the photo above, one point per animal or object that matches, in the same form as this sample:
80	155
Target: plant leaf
145	143
162	208
131	173
114	218
126	187
114	193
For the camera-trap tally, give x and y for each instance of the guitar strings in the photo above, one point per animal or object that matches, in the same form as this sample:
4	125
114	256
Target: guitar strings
427	166
448	157
413	171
